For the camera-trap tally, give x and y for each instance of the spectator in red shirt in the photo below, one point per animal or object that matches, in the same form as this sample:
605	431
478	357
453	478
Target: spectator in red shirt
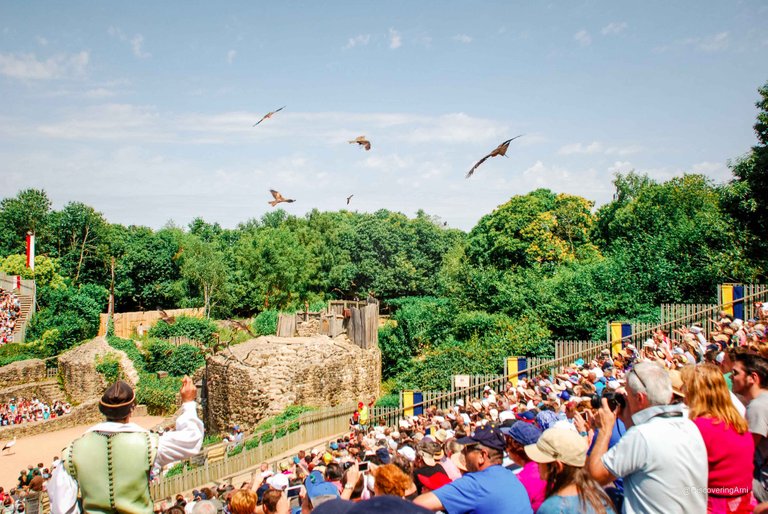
730	446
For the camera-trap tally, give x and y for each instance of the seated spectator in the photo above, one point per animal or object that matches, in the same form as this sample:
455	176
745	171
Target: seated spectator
487	487
518	436
561	455
390	479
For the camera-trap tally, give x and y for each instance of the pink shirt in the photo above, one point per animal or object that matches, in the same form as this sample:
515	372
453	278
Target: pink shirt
729	454
533	484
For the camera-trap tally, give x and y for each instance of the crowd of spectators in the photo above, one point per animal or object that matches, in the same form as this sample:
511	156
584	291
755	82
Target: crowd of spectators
10	309
23	410
677	425
25	495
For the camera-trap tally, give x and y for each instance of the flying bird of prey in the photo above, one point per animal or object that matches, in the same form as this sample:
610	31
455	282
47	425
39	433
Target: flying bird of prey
278	198
349	198
360	140
269	115
165	317
500	150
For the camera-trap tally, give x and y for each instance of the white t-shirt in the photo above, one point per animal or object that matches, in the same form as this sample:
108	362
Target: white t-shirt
757	419
663	461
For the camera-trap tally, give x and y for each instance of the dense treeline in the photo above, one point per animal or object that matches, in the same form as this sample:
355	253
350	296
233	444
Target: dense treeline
542	265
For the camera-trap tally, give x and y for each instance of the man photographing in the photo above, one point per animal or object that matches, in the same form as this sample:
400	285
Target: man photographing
111	462
662	457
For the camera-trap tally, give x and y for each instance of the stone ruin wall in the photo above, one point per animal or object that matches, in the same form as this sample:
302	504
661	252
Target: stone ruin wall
263	376
77	368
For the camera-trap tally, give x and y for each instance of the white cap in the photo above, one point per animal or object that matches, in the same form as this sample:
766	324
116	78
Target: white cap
279	482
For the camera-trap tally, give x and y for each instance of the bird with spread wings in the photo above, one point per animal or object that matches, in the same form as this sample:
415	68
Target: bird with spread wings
349	198
278	198
360	140
269	115
499	150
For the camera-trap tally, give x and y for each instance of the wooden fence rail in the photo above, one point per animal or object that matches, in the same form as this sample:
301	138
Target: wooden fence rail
129	323
310	426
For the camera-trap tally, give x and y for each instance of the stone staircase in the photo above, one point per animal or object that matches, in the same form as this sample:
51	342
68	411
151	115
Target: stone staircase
21	324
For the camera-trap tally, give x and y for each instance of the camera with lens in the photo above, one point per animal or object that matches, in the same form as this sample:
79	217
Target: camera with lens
614	400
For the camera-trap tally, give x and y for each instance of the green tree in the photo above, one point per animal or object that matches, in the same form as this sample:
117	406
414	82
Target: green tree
45	273
27	211
203	266
80	236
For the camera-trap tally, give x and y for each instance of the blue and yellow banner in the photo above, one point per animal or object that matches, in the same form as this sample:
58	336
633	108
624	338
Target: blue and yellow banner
727	299
619	331
516	367
411	398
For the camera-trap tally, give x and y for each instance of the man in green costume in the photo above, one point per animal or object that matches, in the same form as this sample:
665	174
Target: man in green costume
111	463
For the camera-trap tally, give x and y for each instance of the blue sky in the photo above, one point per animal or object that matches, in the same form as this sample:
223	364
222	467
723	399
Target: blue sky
144	110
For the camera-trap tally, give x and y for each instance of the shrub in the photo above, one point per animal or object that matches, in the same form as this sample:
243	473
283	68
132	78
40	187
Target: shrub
159	395
265	324
74	312
185	360
12	352
197	329
157	353
109	367
389	400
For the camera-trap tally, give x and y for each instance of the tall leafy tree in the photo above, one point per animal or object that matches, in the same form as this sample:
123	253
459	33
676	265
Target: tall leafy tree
28	211
204	267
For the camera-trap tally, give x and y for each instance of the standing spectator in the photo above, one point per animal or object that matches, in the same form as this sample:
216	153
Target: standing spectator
518	436
126	451
488	487
750	379
662	454
561	455
730	448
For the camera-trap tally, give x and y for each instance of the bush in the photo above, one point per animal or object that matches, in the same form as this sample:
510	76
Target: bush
178	361
197	329
159	395
265	324
185	360
74	312
389	400
12	352
109	367
157	353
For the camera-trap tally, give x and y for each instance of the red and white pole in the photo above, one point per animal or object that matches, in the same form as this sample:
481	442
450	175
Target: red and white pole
31	251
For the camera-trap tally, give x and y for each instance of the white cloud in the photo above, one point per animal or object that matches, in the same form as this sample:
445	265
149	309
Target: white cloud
99	92
231	56
583	38
620	167
358	40
596	147
614	28
41	41
578	148
462	38
395	40
714	43
27	66
716	170
136	42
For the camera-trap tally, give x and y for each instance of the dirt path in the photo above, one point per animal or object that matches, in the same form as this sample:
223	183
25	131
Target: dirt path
43	447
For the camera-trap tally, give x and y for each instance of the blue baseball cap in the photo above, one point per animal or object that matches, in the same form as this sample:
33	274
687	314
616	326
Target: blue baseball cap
523	433
316	486
487	436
